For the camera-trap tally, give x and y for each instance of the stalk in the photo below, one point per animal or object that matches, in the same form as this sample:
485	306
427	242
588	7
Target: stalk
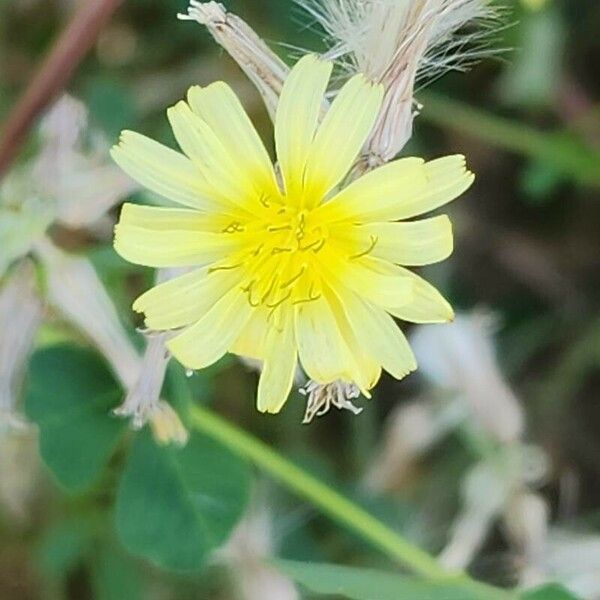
334	504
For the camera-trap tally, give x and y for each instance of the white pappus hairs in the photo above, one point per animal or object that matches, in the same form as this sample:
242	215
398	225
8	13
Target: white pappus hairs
371	36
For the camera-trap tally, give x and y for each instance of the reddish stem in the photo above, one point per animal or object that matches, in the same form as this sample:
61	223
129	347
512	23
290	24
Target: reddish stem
54	73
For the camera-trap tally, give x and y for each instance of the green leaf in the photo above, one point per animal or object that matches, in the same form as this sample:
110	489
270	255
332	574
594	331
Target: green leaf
549	592
369	584
69	396
175	505
110	104
63	547
114	576
539	181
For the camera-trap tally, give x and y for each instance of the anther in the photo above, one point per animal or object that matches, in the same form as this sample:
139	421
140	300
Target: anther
310	298
374	240
234	227
294	278
301	226
305	300
248	290
314	246
269	289
272	228
224	268
279	302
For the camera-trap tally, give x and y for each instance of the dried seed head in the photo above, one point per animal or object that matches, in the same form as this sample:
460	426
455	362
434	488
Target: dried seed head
426	37
401	43
20	316
166	425
144	392
461	358
261	65
73	287
411	430
20	470
24	215
321	397
572	557
488	491
526	520
72	166
143	404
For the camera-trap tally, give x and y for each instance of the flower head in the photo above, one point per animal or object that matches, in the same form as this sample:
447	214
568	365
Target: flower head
304	270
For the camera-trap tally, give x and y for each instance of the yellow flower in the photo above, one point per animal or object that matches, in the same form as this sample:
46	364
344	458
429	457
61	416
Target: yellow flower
301	270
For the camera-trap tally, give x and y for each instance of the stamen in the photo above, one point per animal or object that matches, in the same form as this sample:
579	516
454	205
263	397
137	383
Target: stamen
306	300
263	200
310	298
270	288
278	250
316	246
279	302
258	249
225	268
280	228
234	227
374	240
248	290
294	278
301	226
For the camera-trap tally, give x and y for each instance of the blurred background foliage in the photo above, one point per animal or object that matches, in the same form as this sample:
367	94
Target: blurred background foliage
527	247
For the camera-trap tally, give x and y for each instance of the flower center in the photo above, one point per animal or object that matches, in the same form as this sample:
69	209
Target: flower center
280	257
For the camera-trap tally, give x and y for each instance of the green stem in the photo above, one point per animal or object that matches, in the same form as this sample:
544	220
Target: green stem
562	150
332	503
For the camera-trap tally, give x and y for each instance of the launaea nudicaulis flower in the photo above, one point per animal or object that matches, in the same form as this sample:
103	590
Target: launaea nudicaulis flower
308	270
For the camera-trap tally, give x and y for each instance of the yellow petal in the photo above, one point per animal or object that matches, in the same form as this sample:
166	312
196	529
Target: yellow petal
252	342
297	116
210	338
206	151
165	219
378	334
368	366
341	136
400	190
220	108
426	306
173	248
414	243
323	352
185	299
379	282
279	367
163	171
